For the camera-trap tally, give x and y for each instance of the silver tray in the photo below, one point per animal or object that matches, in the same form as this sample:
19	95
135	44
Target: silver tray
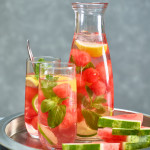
14	136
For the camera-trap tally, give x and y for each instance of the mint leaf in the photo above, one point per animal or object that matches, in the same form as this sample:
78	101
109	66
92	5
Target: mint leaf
97	105
78	69
101	110
37	66
47	105
56	115
51	78
89	91
91	118
89	65
86	103
99	99
47	88
72	59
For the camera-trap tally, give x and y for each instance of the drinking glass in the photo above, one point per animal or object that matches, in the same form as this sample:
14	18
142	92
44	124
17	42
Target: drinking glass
57	104
31	92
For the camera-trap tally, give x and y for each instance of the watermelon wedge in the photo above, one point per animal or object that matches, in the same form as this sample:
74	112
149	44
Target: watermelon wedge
120	131
90	146
129	121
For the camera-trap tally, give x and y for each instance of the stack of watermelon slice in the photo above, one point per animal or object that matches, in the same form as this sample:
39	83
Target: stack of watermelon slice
121	132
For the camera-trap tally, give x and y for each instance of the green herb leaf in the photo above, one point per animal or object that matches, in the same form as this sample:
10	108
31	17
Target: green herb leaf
89	91
37	66
47	105
56	115
97	106
47	88
99	99
89	65
101	110
51	78
86	103
91	118
78	69
72	59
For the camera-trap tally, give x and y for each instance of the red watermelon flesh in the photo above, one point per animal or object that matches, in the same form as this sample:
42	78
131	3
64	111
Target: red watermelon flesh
106	135
109	146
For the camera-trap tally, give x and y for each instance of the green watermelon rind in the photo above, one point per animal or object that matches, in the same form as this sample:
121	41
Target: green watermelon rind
121	131
136	139
118	123
90	146
81	146
134	146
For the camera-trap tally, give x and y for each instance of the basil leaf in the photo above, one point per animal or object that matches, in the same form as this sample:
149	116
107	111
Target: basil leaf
47	105
89	65
91	118
56	115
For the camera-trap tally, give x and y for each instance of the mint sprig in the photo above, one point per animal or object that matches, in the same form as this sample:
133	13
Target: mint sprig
52	104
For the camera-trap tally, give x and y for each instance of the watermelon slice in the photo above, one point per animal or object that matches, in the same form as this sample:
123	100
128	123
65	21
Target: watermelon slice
129	121
120	131
91	146
106	135
134	146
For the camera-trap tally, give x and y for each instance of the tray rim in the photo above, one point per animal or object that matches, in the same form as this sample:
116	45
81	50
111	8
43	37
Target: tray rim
9	143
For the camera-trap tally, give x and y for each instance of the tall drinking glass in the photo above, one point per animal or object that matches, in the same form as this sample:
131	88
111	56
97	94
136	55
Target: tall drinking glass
31	92
57	104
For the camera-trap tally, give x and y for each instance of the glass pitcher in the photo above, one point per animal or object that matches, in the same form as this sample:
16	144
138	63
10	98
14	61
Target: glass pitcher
90	54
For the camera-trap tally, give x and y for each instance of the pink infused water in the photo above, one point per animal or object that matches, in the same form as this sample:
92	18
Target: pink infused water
57	111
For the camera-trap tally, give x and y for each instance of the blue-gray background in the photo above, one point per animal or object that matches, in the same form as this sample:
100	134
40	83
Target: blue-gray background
49	24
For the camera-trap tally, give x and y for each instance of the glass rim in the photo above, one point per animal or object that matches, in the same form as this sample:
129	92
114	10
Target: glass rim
36	61
70	65
92	5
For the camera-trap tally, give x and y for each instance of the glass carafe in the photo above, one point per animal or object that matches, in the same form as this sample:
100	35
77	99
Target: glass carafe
90	54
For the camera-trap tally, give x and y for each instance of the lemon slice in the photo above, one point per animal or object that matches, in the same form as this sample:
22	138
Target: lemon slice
84	131
35	102
65	79
94	49
32	81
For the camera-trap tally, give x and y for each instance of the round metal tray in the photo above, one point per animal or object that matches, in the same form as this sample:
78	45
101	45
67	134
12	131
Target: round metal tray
13	134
